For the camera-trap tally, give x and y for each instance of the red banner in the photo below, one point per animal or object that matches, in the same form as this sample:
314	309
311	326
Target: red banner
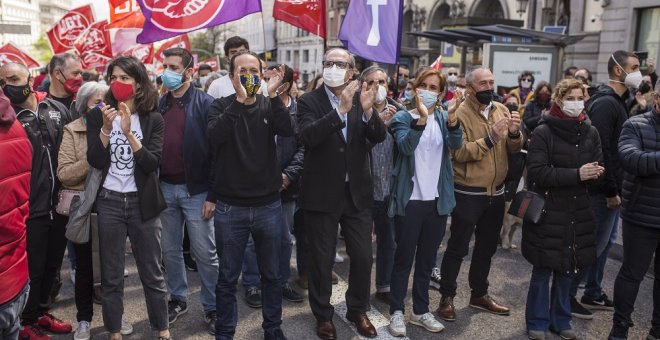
95	39
214	62
125	14
10	53
180	41
308	15
145	53
66	30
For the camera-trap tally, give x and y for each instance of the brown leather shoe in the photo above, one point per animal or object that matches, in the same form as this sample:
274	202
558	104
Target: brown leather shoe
489	305
326	330
446	310
362	323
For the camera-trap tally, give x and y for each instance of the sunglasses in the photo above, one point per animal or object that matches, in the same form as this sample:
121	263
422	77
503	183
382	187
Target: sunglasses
452	74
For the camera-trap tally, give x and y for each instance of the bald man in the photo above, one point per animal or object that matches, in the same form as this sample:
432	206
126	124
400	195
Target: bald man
43	119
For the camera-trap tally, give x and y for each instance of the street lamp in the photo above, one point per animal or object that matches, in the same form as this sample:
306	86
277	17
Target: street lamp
522	7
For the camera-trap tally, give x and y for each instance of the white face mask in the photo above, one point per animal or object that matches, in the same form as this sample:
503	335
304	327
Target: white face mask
573	108
525	84
632	79
452	79
382	94
334	76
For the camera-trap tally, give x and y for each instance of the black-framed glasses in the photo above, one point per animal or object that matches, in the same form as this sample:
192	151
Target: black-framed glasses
339	64
452	73
380	82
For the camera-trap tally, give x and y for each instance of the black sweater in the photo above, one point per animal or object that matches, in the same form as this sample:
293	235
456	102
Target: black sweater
246	171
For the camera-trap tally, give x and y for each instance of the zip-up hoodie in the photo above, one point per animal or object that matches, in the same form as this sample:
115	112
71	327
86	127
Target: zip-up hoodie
44	129
608	112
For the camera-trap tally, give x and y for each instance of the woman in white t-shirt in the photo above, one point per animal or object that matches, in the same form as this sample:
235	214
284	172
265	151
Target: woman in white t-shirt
422	195
125	140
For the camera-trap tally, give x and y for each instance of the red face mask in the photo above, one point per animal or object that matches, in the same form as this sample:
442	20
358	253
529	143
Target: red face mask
71	86
121	91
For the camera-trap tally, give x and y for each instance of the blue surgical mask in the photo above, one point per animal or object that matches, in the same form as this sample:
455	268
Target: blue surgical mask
408	95
172	80
429	98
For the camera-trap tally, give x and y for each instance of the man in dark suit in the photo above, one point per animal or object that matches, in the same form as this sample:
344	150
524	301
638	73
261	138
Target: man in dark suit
337	125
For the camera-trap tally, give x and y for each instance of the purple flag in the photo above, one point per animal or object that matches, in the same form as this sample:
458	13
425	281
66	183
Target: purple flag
372	29
168	18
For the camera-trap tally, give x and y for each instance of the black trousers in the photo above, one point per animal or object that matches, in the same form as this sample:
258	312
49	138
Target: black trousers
479	215
45	250
639	245
322	236
84	287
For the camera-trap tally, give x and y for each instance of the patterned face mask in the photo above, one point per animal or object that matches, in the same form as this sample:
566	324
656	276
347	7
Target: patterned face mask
251	83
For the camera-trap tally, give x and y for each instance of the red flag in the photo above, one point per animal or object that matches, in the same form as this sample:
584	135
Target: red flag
93	60
437	64
145	53
180	41
66	30
10	53
125	14
214	62
309	15
95	39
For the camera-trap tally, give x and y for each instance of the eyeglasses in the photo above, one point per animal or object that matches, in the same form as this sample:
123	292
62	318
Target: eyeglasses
339	64
527	79
380	82
452	73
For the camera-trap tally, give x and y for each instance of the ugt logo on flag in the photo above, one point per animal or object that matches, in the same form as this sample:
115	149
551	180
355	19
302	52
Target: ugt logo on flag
168	18
380	38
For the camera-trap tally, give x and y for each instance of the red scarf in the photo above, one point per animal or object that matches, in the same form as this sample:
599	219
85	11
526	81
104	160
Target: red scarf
557	112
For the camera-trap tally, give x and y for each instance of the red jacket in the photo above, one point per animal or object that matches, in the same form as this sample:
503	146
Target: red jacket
15	166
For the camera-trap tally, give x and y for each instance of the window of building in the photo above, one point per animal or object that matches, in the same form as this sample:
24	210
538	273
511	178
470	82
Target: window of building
305	56
648	32
288	55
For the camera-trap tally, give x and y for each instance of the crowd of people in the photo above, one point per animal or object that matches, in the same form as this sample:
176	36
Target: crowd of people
218	172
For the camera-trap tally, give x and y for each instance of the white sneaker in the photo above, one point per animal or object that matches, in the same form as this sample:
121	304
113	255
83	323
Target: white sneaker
427	321
397	325
126	327
82	333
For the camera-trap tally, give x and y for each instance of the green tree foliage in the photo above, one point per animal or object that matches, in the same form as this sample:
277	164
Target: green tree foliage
42	49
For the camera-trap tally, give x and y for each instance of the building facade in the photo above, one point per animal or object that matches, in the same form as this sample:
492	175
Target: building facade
19	23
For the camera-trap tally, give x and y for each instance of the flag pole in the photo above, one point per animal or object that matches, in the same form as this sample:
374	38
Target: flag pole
263	29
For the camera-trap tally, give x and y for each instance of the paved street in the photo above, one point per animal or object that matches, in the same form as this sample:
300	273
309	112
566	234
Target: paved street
509	282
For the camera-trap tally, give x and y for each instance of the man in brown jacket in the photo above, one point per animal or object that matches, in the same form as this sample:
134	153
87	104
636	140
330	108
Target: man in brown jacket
480	166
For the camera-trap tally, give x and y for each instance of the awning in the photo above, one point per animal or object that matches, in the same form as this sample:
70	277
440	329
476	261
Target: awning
477	35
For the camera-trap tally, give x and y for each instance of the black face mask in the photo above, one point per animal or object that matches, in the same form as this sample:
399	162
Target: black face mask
512	107
17	94
644	88
484	97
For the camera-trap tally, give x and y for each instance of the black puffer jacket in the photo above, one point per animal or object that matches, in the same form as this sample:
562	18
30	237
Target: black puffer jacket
565	240
639	150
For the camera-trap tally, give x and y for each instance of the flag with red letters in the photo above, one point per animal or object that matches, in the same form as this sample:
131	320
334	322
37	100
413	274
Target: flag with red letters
64	33
10	53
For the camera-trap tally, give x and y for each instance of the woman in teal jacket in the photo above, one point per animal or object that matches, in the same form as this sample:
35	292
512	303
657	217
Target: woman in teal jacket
422	195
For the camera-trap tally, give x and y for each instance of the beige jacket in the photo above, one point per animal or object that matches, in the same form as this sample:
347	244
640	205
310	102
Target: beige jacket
72	163
475	163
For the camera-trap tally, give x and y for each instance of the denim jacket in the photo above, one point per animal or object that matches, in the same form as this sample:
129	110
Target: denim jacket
407	135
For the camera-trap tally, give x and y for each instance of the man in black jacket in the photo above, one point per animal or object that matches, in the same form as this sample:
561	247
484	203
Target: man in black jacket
639	150
246	181
290	154
337	126
43	119
607	111
184	179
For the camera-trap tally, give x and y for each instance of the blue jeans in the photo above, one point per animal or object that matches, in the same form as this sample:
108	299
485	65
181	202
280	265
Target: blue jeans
288	208
10	314
607	222
548	307
385	246
181	207
233	226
